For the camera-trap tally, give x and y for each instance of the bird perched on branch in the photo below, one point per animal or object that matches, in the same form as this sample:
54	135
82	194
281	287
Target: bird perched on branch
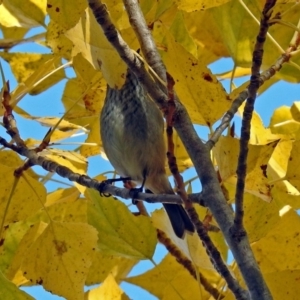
132	136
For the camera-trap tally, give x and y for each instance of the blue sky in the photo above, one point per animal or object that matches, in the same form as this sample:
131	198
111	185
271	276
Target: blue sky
280	94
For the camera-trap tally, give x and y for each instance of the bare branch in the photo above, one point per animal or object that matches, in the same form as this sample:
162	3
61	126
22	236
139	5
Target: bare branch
227	118
264	76
238	228
237	102
138	23
36	160
187	264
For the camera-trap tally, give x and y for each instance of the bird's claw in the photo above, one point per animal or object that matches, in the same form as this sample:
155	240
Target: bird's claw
134	192
110	181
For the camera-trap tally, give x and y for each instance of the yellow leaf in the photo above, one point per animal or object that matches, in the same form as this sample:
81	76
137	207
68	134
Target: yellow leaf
65	211
226	153
31	235
118	13
12	234
93	138
192	5
14	13
91	86
278	250
233	30
235	73
284	284
12	159
57	41
181	34
94	47
293	169
13	33
58	256
190	246
288	72
52	121
260	216
195	85
73	160
41	71
295	111
107	291
92	83
204	30
285	193
282	122
104	264
9	291
120	232
62	195
165	281
259	135
66	15
58	135
279	161
240	46
24	64
27	197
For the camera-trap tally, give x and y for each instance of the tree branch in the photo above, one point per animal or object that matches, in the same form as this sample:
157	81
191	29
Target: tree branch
238	228
138	23
149	49
187	264
199	154
237	102
36	160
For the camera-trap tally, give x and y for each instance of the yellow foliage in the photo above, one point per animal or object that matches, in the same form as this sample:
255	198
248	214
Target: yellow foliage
120	232
94	47
165	281
195	84
48	243
10	291
105	264
70	237
15	13
66	16
26	65
278	250
226	153
20	197
107	291
44	75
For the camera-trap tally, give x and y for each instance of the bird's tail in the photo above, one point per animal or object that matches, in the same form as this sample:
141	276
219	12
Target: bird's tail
158	183
180	221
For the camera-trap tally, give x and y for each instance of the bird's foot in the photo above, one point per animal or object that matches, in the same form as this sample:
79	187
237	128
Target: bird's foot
134	193
110	181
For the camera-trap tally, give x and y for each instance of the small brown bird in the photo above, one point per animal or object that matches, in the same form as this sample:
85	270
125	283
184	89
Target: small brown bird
132	136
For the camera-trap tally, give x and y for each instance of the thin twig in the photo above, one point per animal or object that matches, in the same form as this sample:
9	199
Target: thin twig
187	264
138	24
238	228
264	76
105	188
9	121
237	102
227	118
